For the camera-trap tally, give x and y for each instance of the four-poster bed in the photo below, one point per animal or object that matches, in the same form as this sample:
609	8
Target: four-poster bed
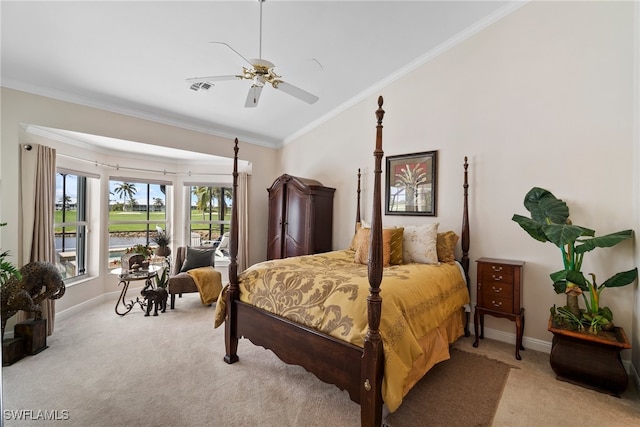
338	343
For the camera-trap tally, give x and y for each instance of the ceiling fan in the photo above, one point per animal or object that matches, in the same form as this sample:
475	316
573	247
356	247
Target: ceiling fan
260	72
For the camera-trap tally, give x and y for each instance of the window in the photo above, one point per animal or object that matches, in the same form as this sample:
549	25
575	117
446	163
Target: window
136	209
70	224
210	213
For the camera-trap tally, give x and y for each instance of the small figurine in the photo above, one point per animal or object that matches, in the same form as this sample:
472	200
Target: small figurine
155	298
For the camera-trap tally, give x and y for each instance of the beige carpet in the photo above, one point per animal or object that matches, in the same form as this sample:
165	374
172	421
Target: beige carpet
107	370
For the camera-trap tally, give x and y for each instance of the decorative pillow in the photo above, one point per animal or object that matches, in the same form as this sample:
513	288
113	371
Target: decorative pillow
354	241
419	243
446	245
395	256
362	246
195	258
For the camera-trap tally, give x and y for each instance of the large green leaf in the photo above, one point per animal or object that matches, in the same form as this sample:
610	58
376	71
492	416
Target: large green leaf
530	226
545	207
604	241
563	234
562	277
621	279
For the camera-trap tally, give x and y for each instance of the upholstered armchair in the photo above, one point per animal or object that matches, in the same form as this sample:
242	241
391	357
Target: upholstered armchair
180	282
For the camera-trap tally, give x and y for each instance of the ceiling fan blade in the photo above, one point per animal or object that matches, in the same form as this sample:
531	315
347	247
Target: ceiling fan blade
253	96
235	51
204	83
295	91
213	78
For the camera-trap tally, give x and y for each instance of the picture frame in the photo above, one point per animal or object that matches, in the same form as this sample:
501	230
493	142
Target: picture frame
411	184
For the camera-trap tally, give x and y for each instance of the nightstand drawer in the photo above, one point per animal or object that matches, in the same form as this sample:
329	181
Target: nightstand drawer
497	273
498	289
497	303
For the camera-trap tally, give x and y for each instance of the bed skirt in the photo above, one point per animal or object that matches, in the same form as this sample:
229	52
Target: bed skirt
435	345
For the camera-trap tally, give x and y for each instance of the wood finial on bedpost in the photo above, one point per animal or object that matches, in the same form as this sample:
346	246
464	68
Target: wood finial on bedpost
372	363
358	220
230	336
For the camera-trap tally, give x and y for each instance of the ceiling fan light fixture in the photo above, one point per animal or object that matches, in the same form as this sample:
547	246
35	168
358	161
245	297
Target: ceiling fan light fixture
201	86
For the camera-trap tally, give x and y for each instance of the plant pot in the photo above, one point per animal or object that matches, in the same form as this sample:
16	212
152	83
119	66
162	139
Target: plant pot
164	251
589	360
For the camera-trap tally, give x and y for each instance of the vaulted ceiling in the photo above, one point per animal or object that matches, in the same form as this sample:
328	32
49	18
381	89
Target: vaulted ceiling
134	57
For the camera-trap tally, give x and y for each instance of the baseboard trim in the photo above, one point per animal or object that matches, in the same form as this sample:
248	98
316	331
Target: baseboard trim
109	296
633	374
508	337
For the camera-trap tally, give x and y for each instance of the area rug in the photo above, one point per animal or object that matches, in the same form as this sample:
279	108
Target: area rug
462	391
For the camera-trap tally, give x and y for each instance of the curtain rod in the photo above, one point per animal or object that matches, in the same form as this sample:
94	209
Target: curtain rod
163	172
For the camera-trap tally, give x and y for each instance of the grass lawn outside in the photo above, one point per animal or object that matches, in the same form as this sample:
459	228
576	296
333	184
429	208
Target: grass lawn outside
137	221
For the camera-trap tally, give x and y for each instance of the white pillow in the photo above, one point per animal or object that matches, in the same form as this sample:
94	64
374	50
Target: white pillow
419	244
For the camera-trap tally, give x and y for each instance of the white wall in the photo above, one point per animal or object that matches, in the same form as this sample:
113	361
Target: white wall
20	108
541	98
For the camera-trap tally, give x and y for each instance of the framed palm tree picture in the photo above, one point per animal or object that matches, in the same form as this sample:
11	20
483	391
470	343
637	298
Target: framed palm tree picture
411	184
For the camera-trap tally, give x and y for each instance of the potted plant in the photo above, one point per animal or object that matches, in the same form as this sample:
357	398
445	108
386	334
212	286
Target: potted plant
12	349
549	222
7	269
162	278
163	240
136	257
140	249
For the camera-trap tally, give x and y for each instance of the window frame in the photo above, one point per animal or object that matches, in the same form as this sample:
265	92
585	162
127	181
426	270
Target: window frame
81	225
223	225
148	223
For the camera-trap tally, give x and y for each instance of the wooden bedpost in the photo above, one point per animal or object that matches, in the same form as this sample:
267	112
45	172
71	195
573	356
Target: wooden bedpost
230	336
358	220
465	238
373	358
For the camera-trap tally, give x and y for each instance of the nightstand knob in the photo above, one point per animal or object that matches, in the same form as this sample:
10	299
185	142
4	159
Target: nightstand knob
496	290
496	268
498	278
498	304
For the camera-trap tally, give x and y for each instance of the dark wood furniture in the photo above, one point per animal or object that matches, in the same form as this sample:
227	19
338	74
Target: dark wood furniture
359	370
590	360
300	217
499	293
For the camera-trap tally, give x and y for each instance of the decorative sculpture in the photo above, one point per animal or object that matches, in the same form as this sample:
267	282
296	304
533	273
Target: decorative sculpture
155	298
40	281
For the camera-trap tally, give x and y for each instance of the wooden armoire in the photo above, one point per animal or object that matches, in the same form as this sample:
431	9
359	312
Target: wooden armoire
300	217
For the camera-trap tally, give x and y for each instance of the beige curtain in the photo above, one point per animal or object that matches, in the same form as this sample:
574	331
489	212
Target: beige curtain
38	187
243	221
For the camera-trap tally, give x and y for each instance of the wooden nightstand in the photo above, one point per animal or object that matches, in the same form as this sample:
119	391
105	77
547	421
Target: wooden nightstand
499	293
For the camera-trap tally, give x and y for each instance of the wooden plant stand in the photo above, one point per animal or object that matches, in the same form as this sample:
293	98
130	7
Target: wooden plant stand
12	350
588	360
34	332
29	337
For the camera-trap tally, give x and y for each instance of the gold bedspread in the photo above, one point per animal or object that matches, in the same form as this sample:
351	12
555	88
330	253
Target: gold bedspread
329	292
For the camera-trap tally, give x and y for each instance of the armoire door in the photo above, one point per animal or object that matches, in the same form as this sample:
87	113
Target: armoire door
296	224
275	226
